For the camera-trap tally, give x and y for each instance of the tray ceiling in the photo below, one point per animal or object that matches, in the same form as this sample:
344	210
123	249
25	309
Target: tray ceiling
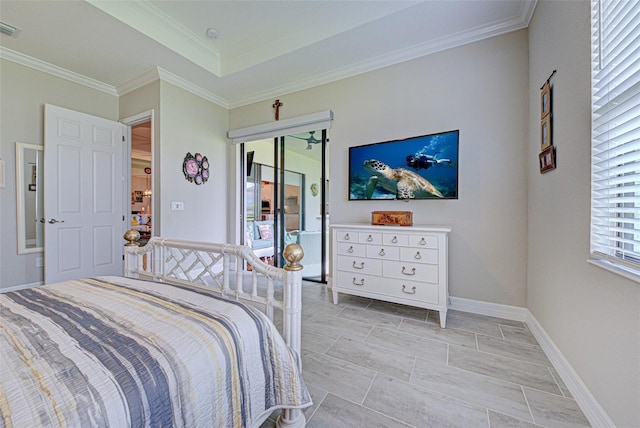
265	49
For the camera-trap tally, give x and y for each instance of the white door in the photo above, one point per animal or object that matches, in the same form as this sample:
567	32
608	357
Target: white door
83	195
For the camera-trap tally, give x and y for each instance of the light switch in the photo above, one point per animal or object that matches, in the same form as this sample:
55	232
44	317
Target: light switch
177	206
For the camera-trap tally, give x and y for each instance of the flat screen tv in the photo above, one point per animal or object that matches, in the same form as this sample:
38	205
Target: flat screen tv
423	167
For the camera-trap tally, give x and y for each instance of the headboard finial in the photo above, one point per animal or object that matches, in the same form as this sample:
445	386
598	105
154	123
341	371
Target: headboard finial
293	253
132	236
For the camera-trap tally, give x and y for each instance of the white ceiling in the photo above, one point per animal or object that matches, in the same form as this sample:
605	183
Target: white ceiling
266	48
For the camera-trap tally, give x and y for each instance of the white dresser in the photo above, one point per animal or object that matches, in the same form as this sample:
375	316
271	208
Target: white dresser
405	265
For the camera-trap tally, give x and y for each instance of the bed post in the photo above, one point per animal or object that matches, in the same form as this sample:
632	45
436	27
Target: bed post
131	259
293	253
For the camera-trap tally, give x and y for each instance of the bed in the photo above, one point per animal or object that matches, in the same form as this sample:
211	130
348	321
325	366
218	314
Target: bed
185	338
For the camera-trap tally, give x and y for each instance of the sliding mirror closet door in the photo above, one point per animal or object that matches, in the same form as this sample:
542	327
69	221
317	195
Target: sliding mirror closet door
285	199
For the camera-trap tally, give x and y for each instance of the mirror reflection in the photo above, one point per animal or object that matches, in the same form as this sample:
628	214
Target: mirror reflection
30	198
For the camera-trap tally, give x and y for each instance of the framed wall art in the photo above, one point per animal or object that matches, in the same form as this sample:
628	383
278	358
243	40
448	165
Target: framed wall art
545	100
546	136
547	159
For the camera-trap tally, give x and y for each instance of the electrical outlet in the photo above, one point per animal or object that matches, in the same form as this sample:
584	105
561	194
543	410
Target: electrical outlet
39	262
177	206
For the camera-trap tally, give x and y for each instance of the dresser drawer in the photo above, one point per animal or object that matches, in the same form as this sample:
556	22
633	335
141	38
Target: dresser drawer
355	280
382	287
352	249
423	241
419	292
346	235
419	272
394	239
360	265
370	238
419	255
383	253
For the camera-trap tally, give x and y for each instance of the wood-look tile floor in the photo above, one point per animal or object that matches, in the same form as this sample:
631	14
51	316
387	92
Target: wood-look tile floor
369	363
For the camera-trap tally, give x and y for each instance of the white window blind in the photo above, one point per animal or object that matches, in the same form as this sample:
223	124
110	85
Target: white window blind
615	182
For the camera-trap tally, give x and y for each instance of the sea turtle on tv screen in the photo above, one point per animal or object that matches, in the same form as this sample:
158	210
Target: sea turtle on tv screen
404	183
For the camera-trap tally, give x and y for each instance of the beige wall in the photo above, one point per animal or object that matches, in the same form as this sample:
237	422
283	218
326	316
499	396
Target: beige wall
24	93
592	315
192	124
434	94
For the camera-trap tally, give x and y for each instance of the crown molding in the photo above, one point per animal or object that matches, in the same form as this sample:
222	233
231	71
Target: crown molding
526	11
54	70
148	76
396	57
143	79
191	87
158	73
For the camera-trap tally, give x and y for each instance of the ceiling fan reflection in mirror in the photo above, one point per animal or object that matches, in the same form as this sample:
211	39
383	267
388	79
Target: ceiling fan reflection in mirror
311	139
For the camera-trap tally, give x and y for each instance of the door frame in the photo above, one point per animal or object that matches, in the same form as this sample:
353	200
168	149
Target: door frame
294	125
129	122
280	182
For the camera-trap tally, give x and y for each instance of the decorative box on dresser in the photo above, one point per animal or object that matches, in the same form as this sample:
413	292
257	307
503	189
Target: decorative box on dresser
406	265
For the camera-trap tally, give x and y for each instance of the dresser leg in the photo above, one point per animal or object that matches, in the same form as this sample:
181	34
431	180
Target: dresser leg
443	318
335	297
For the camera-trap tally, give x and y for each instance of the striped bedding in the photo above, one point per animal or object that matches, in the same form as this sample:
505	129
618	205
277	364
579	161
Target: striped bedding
120	352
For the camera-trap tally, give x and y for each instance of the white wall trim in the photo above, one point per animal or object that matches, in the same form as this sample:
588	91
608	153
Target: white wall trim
158	73
586	401
588	404
20	287
514	313
54	70
149	76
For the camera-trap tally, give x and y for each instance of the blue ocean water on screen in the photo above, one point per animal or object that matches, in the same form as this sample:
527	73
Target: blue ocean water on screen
434	157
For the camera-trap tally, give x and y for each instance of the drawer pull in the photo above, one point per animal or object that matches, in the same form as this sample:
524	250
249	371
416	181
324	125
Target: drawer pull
358	267
382	253
413	289
417	256
394	240
361	283
369	238
413	271
347	237
350	250
423	242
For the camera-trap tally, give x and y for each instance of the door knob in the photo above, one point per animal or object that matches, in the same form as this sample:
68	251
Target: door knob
53	220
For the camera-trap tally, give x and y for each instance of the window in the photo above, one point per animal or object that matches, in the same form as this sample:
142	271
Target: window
615	170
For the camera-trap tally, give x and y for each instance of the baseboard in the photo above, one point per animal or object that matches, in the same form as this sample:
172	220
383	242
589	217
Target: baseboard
586	401
19	287
513	313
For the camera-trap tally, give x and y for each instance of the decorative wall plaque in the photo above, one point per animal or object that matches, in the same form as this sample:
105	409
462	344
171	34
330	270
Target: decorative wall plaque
196	168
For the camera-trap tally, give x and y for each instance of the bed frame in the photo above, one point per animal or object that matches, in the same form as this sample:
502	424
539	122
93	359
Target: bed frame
234	272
